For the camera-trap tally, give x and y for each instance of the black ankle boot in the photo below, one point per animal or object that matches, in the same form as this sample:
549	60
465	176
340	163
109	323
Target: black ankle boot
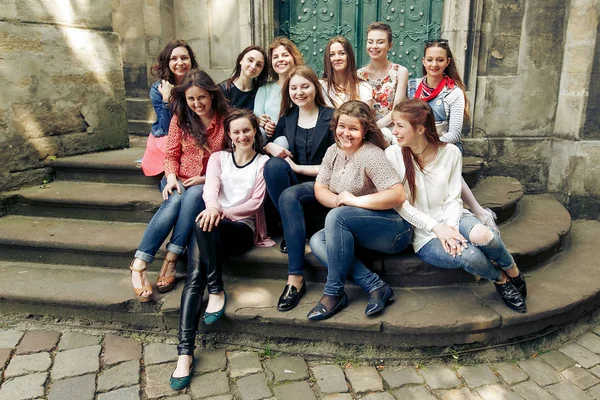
511	296
520	284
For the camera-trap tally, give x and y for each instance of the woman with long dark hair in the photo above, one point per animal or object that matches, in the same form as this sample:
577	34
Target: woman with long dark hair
249	75
340	80
446	235
176	59
195	132
231	222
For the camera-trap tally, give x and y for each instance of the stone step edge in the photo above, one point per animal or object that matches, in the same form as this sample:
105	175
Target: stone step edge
251	308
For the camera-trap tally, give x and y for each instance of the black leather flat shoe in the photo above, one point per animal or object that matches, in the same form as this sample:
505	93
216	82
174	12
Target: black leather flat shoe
283	247
290	297
319	312
520	284
511	296
377	303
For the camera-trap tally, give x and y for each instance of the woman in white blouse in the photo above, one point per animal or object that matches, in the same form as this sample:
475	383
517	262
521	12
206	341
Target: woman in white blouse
446	235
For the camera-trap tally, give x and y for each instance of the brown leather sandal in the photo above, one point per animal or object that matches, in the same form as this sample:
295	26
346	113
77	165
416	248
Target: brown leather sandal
146	287
166	283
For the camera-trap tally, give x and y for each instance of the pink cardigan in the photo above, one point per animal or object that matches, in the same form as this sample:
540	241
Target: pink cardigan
253	207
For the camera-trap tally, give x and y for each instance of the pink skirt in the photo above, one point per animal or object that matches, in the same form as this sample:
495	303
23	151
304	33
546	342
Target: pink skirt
152	162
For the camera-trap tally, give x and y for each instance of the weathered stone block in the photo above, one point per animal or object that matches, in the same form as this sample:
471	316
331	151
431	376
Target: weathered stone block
330	379
94	15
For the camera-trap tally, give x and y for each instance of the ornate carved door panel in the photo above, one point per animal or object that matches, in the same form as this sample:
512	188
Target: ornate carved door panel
311	23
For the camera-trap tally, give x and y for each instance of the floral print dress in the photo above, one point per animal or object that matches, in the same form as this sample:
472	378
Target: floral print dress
384	90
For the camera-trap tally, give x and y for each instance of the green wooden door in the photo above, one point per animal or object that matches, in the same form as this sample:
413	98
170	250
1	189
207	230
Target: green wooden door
311	23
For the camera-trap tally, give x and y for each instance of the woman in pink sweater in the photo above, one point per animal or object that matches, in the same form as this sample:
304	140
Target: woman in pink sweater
232	219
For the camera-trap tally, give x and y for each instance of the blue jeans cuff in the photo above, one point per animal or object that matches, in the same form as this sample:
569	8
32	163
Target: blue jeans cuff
144	256
173	248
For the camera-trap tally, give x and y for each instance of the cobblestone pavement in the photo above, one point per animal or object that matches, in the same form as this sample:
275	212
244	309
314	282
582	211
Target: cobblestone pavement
55	363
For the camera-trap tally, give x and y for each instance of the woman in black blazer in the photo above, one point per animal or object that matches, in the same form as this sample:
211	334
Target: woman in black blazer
298	146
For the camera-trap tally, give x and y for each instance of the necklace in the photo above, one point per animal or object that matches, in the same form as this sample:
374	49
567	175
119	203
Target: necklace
426	147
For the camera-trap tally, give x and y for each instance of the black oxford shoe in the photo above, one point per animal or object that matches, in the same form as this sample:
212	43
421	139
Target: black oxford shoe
377	303
319	312
511	296
290	297
283	247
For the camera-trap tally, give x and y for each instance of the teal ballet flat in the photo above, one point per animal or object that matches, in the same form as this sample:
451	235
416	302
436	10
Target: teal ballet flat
184	381
212	317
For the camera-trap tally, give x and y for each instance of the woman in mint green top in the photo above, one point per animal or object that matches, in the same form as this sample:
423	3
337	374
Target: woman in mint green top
283	57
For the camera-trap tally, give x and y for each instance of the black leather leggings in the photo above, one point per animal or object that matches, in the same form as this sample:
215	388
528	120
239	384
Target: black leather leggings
205	251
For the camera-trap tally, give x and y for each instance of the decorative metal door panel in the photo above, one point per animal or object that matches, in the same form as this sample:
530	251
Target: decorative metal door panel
311	23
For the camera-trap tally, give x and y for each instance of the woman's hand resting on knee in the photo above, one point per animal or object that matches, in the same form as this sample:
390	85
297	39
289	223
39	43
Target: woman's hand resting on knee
171	184
208	219
452	241
194	180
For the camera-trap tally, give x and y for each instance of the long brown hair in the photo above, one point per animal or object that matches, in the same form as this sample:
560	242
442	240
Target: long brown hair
360	110
189	122
307	73
418	113
451	71
236	114
161	68
290	47
352	76
261	79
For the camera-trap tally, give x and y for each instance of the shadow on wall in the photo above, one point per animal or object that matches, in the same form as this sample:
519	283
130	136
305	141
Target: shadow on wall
62	81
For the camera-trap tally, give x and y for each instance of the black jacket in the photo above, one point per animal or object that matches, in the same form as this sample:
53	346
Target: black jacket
322	139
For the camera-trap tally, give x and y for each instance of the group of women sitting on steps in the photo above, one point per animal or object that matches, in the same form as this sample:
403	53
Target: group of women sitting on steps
375	154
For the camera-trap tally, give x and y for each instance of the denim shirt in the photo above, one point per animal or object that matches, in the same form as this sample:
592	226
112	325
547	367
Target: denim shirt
163	114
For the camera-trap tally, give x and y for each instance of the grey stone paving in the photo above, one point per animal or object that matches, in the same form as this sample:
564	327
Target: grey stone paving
294	391
75	340
439	377
397	377
128	393
26	364
477	375
121	375
158	353
287	368
330	379
78	388
211	384
118	349
253	387
364	379
511	373
76	362
243	363
36	341
112	367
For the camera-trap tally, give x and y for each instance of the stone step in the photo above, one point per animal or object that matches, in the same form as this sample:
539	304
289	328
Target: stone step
86	200
119	166
115	166
140	109
533	234
560	291
139	127
137	203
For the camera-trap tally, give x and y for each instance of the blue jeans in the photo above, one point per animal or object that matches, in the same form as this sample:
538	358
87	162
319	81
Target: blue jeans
292	198
476	259
383	231
178	212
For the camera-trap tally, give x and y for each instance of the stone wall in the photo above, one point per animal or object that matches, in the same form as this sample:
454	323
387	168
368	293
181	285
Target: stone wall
62	85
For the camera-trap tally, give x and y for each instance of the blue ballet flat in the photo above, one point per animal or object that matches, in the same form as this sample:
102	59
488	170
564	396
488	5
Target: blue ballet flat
212	317
184	381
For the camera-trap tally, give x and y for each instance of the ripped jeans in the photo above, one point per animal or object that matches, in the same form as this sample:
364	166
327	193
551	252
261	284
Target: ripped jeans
476	259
